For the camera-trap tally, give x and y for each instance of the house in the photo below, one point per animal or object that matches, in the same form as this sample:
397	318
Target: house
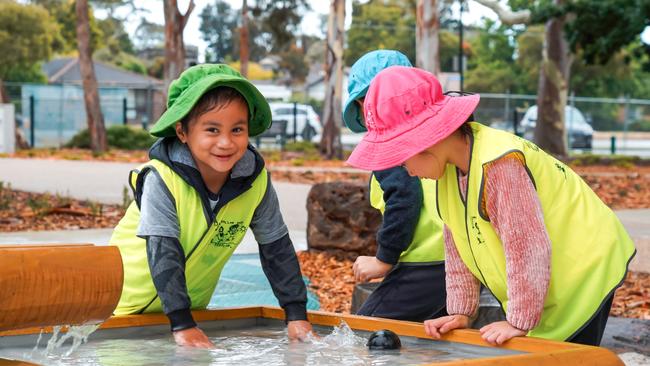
57	110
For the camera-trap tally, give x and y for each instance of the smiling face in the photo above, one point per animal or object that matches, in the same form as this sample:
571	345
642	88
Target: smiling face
217	139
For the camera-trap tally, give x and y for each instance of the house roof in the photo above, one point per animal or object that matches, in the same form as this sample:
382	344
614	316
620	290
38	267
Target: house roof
66	71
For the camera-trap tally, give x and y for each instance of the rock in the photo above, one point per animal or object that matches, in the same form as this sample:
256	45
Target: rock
340	219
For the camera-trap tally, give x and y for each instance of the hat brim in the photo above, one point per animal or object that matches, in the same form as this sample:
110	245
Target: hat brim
375	154
258	108
351	114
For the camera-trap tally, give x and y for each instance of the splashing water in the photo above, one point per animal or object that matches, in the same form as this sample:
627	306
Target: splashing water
342	336
78	333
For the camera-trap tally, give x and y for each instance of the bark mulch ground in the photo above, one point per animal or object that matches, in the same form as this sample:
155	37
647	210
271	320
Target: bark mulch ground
333	281
25	211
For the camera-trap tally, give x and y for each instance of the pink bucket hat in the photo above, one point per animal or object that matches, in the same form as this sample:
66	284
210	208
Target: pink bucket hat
405	113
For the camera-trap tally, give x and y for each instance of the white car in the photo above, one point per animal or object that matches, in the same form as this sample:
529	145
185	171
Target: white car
580	132
307	122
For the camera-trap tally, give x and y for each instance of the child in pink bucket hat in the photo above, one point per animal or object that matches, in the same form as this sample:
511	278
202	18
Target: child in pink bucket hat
515	219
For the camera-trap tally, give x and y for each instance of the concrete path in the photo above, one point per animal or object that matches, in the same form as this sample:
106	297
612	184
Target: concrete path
105	181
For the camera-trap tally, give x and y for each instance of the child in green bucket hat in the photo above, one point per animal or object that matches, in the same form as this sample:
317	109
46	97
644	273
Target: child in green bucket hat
204	186
410	247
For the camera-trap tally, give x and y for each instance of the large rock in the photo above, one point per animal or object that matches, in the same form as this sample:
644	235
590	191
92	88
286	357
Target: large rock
340	219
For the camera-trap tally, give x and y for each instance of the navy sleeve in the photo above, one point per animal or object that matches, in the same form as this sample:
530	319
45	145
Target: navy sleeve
403	198
282	269
167	265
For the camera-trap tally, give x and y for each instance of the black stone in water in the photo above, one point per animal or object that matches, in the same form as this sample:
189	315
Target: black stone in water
384	339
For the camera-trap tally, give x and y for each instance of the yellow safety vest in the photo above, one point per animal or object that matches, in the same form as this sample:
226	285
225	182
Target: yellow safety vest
428	245
590	249
207	248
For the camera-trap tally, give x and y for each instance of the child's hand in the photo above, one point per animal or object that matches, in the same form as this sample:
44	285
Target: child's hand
299	329
193	337
498	332
438	326
367	268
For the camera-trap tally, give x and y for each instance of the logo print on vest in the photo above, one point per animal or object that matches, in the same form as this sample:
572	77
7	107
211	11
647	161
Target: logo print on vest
228	234
561	168
477	231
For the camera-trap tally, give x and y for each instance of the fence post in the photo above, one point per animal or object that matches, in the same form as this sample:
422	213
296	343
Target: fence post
124	120
626	117
295	121
506	111
32	121
572	102
612	145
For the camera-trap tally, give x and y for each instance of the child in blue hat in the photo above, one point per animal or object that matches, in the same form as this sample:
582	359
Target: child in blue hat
410	246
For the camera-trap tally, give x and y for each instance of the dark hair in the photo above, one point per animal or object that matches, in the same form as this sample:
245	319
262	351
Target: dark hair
218	97
465	128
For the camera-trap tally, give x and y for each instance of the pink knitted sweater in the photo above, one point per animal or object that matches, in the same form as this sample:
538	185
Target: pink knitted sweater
516	215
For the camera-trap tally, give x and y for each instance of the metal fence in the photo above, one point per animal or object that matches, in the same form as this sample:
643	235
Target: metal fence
50	115
622	124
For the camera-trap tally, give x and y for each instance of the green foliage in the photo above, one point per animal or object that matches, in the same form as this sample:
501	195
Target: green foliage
380	25
301	146
640	126
115	36
121	59
29	73
120	137
217	24
601	28
149	34
293	62
64	13
27	35
281	20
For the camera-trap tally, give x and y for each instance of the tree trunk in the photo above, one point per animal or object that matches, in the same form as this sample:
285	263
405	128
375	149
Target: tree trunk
426	36
552	89
4	97
174	46
94	116
243	41
330	144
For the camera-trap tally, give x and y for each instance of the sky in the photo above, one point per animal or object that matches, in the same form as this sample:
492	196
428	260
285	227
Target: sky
310	24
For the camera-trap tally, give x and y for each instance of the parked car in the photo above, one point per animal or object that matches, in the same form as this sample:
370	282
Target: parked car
307	122
579	131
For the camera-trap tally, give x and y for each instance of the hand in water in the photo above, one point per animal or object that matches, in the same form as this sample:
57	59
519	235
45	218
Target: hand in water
367	268
438	326
299	330
498	332
193	337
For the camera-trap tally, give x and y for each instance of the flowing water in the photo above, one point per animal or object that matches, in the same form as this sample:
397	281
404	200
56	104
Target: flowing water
257	345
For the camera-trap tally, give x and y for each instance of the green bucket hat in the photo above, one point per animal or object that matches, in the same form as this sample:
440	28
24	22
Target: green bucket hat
190	86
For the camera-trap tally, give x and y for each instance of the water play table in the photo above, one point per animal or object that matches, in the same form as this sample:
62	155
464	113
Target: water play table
142	339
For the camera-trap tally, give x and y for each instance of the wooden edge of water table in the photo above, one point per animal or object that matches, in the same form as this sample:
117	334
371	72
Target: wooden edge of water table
47	245
541	352
5	362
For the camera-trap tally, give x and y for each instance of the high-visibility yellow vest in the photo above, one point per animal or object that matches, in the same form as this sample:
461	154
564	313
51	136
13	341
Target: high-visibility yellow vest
207	246
590	249
428	245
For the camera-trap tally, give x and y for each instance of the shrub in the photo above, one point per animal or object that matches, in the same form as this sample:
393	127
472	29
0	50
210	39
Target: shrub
119	137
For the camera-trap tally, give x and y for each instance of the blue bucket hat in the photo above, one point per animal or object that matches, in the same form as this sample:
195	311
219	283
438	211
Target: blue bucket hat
361	74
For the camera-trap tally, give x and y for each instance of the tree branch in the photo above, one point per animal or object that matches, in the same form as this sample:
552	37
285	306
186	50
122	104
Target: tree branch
186	16
507	16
